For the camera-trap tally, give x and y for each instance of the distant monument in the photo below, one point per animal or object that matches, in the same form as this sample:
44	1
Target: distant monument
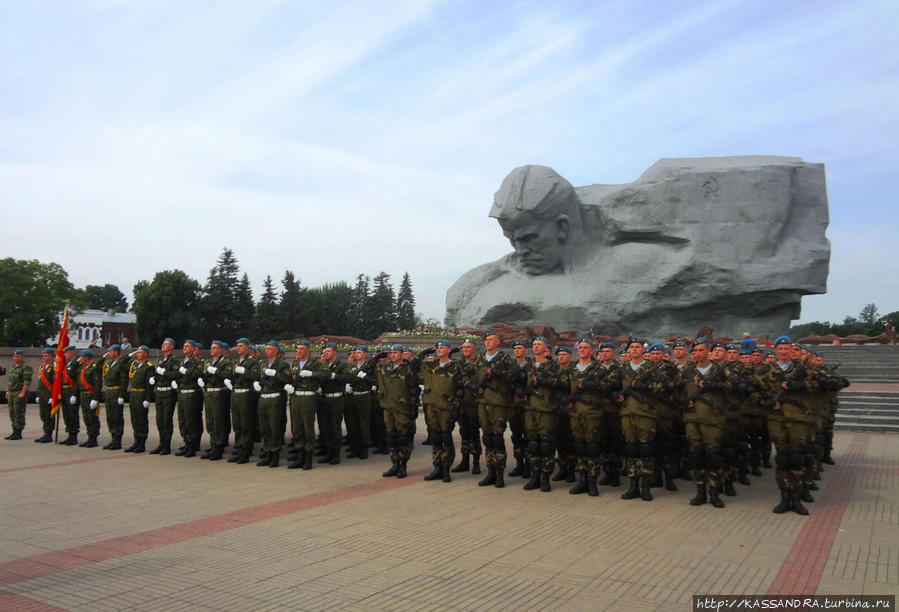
728	242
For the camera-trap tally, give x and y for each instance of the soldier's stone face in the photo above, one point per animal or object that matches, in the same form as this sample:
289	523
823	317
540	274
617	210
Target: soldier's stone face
700	353
47	357
539	245
756	359
187	349
718	353
70	355
746	359
443	351
215	350
539	347
733	354
607	354
395	356
242	349
656	355
142	355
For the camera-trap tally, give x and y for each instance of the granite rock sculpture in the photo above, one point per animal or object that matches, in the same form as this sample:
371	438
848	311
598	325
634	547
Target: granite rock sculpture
728	242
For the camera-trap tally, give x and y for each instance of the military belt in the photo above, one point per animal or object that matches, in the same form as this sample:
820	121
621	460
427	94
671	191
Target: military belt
163	389
68	387
186	390
213	389
241	390
339	394
111	388
136	389
361	392
304	392
269	395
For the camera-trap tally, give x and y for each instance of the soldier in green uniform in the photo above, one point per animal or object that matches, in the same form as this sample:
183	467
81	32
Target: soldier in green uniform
830	383
357	418
541	383
190	410
90	386
273	383
608	377
586	418
115	380
306	374
333	390
638	421
664	383
470	444
398	394
517	409
46	375
216	382
376	418
243	401
140	394
704	395
69	407
567	460
494	373
18	380
165	396
443	388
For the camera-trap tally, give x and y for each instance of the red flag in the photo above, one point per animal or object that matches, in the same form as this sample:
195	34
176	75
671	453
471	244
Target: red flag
60	365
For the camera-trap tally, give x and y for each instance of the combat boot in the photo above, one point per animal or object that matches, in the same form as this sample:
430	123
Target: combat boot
786	502
192	448
463	464
656	479
700	497
805	496
489	479
606	478
264	459
326	458
244	456
297	461
714	499
534	482
796	504
307	462
116	443
592	490
15	435
392	471
44	439
235	456
335	457
581	486
10	436
828	459
811	486
475	464
91	442
158	449
766	461
436	473
352	453
544	482
182	450
755	471
140	446
275	460
108	445
669	482
729	489
401	470
217	453
72	440
166	447
645	488
633	490
131	448
560	474
446	473
206	454
518	470
526	468
363	452
743	478
500	482
569	474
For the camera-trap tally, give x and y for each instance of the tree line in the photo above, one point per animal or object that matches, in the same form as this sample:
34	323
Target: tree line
869	322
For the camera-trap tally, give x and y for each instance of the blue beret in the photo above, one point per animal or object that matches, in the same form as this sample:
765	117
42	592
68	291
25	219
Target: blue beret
699	341
193	342
332	345
115	347
172	340
199	345
71	347
756	350
143	347
716	345
733	347
244	340
745	351
519	343
224	345
632	340
396	347
587	340
657	346
490	333
363	348
680	343
87	353
18	352
563	349
253	348
782	340
541	339
608	345
303	342
442	343
48	350
273	343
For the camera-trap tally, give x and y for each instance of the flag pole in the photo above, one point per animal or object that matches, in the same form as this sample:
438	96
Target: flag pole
59	368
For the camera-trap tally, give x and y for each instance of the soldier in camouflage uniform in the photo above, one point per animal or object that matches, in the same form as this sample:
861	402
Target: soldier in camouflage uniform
468	413
190	407
443	390
665	383
307	373
115	381
165	395
45	378
218	371
542	381
586	418
638	421
69	407
494	373
398	395
18	380
245	372
609	381
567	461
140	394
830	384
517	409
732	434
90	386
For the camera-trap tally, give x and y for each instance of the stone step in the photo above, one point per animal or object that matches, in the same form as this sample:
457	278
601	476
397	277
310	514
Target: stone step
884	427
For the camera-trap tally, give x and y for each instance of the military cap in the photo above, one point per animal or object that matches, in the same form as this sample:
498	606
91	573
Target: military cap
199	345
680	343
244	340
518	343
18	352
541	339
87	353
468	341
303	342
745	351
490	333
587	340
115	347
442	342
222	344
716	345
563	349
732	347
48	350
363	348
782	340
273	343
699	341
757	350
396	347
608	345
143	347
172	340
332	345
192	342
632	340
71	347
657	346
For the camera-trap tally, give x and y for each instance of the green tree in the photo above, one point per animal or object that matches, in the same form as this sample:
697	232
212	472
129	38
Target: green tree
266	319
106	297
360	314
244	308
382	306
869	314
167	306
292	319
32	298
222	316
330	309
405	304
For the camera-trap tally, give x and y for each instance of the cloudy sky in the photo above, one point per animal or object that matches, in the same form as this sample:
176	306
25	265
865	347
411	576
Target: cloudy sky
352	137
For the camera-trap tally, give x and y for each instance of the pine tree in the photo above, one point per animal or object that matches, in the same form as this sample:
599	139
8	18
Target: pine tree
405	304
382	306
292	317
360	314
265	321
218	306
244	308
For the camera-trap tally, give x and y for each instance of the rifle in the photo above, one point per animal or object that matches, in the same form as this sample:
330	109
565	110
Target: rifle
631	391
796	375
697	396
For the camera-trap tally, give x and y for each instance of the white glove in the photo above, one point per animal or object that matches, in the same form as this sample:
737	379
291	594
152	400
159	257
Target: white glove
183	370
257	386
305	373
289	389
333	375
240	369
374	388
50	401
121	401
73	400
174	385
160	371
228	384
201	382
361	375
348	388
152	381
269	372
145	404
94	404
212	369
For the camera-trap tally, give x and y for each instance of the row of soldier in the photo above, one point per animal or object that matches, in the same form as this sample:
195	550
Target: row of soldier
706	412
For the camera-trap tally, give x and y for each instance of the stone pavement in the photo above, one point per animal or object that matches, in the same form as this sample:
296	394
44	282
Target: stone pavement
88	529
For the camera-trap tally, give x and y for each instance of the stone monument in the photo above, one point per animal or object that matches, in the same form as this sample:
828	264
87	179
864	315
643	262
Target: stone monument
728	242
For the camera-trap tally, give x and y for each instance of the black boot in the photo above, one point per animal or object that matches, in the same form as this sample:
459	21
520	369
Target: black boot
645	485
276	458
108	445
182	450
401	470
743	478
72	440
392	471
811	486
15	435
158	449
91	442
714	499
217	453
476	464
700	497
796	504
805	496
570	474
633	491
307	462
116	443
828	459
766	461
235	456
446	473
10	436
140	446
526	468
544	482
500	482
518	469
206	454
264	459
335	457
131	448
244	456
755	471
166	447
192	448
581	486
463	464
534	482
592	490
353	452
729	489
436	473
44	439
785	504
325	458
669	482
297	462
606	478
489	479
362	453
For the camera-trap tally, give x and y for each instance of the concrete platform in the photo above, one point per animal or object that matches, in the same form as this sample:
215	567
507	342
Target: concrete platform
88	529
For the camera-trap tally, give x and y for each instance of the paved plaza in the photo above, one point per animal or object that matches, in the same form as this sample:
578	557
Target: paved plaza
88	529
